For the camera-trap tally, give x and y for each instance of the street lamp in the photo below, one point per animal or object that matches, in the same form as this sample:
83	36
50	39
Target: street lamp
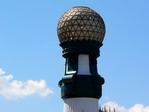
81	31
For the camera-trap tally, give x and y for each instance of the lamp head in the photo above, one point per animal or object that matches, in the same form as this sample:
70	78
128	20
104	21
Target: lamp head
81	25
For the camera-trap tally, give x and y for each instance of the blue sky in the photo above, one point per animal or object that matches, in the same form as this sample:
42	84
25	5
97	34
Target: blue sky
30	55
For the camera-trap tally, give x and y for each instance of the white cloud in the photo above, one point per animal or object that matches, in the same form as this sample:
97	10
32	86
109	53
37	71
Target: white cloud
14	89
2	71
119	108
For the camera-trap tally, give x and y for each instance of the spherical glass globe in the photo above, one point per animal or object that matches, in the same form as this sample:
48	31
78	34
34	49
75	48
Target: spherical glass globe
81	23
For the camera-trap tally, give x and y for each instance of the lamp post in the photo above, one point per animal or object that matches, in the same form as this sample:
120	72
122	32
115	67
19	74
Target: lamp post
81	31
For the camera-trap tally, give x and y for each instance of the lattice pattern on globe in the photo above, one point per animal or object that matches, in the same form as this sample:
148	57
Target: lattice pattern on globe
81	23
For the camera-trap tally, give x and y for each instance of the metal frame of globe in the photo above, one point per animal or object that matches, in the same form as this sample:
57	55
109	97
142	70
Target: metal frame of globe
81	23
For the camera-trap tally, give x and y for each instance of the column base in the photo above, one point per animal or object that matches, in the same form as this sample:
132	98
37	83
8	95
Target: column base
81	105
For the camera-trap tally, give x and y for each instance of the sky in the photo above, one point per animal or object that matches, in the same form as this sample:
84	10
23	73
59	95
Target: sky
31	62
